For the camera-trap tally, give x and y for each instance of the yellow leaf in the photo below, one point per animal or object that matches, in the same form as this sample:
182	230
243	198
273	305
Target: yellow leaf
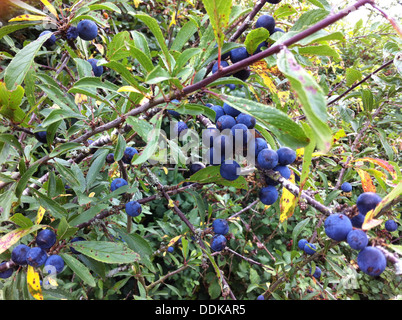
39	215
173	22
79	98
382	163
283	97
261	68
288	202
367	183
29	17
171	203
137	3
100	48
91	195
165	170
50	7
370	222
340	134
173	240
33	282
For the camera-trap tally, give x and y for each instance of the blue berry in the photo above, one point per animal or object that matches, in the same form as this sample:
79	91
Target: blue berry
229	110
357	239
247	120
117	183
260	297
367	201
268	195
309	248
218	242
346	187
218	111
225	122
267	159
391	225
49	42
357	221
179	128
208	136
267	22
36	257
133	208
317	273
54	261
129	153
46	239
238	54
301	243
19	254
110	158
72	33
286	156
230	170
220	226
97	70
371	261
7	273
87	30
337	226
170	249
224	64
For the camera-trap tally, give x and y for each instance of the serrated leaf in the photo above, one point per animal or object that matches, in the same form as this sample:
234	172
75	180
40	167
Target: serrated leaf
107	252
278	122
22	62
10	101
352	75
219	13
311	97
254	38
79	269
22	221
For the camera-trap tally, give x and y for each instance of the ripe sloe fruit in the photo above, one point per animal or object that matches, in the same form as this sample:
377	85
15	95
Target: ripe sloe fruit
110	158
247	120
238	54
56	261
317	273
225	122
36	257
6	273
220	226
286	156
180	127
391	225
72	33
346	187
218	242
267	22
129	153
268	195
337	226
309	248
218	111
49	42
229	170
224	64
371	261
208	136
87	30
45	239
97	70
301	243
19	254
267	159
357	239
229	110
133	208
367	201
117	183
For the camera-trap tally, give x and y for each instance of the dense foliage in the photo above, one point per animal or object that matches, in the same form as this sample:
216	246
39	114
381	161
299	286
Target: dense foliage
110	188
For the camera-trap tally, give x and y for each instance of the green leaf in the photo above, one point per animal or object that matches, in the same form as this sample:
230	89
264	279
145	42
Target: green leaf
22	62
51	206
142	58
278	122
64	231
184	34
79	269
152	143
398	62
22	221
352	75
141	126
22	183
310	95
116	49
109	6
284	11
320	50
107	252
367	99
219	14
63	148
254	38
120	148
212	174
153	26
10	101
10	139
7	29
309	18
97	163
